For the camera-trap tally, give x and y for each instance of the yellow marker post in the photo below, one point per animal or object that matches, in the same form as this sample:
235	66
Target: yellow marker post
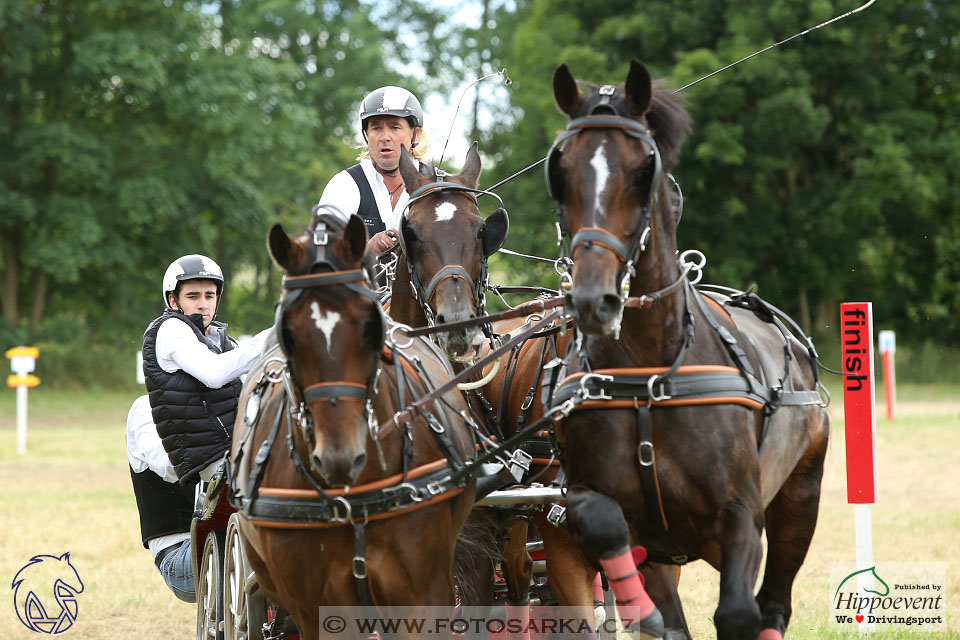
23	360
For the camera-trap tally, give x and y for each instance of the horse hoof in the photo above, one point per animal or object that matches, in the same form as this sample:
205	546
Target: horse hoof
770	634
649	627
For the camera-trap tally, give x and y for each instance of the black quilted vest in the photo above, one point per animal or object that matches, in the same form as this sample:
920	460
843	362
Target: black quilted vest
194	421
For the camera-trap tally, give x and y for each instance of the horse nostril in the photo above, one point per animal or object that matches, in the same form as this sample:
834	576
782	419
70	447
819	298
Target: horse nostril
609	305
441	319
358	464
316	462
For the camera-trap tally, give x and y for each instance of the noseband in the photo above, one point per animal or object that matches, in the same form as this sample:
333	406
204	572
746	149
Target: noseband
356	280
424	294
627	253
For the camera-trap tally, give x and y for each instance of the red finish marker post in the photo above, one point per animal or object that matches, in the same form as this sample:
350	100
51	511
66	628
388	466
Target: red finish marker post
887	341
856	339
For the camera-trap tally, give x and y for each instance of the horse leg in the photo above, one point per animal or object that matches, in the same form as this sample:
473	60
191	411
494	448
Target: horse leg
790	521
601	531
661	581
569	573
517	567
737	616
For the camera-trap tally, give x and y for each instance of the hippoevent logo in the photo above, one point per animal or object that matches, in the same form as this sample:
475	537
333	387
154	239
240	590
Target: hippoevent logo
45	594
890	597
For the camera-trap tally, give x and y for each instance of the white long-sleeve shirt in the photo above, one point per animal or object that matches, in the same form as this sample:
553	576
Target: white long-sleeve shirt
179	348
341	196
145	453
144	449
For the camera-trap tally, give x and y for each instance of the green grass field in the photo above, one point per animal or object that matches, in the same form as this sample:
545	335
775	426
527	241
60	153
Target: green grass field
72	492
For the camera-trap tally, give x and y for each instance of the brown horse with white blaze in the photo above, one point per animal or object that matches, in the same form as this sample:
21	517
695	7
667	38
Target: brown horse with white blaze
332	514
690	448
445	243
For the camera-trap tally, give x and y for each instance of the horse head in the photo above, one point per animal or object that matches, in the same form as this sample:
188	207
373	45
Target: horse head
331	329
446	243
606	171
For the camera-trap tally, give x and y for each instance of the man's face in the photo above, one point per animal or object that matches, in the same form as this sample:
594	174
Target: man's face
197	296
385	136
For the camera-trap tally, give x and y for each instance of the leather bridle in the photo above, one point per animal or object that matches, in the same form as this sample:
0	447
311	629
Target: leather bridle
336	275
424	294
627	253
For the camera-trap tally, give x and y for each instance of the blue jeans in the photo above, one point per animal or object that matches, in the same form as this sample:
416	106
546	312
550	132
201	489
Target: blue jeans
177	571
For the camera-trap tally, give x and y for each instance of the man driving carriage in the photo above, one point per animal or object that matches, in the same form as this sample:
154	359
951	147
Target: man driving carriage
192	369
390	118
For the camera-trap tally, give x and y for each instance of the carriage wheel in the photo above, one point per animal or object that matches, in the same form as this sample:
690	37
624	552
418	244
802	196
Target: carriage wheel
210	589
244	614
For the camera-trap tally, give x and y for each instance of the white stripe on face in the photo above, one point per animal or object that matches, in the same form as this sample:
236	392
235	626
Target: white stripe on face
445	211
602	171
325	322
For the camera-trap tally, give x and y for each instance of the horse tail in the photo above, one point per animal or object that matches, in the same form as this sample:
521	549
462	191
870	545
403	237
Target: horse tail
476	557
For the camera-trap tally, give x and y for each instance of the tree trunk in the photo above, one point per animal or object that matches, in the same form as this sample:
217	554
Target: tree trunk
11	282
481	42
806	322
39	300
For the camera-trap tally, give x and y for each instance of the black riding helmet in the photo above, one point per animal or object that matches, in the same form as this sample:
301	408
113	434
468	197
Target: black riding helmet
390	101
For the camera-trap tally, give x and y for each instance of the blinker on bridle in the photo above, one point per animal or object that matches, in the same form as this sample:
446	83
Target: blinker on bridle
627	253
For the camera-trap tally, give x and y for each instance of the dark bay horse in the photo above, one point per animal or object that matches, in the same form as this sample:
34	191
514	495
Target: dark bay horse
332	515
689	447
440	278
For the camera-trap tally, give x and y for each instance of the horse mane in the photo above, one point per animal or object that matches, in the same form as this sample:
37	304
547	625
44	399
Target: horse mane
671	124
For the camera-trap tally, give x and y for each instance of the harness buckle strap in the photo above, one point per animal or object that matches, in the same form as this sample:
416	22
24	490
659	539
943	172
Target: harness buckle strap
586	394
347	510
645	447
359	567
652	395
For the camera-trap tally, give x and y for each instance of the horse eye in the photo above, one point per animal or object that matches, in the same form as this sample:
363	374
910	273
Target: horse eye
289	341
410	236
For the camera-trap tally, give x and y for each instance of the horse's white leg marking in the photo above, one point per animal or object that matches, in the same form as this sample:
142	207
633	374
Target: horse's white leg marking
325	321
445	211
602	171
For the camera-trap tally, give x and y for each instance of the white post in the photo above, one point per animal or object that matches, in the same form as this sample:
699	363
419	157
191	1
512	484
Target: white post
22	419
864	538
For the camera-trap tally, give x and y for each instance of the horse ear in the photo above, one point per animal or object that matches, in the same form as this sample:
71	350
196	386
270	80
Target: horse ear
470	175
284	251
495	229
565	91
355	239
412	179
639	87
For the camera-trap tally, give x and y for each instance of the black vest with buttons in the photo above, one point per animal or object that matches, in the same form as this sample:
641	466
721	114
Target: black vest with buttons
194	422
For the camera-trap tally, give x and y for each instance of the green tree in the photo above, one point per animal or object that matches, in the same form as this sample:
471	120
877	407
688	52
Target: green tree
819	171
131	134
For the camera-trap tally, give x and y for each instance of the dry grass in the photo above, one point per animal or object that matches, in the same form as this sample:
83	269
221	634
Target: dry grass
72	492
